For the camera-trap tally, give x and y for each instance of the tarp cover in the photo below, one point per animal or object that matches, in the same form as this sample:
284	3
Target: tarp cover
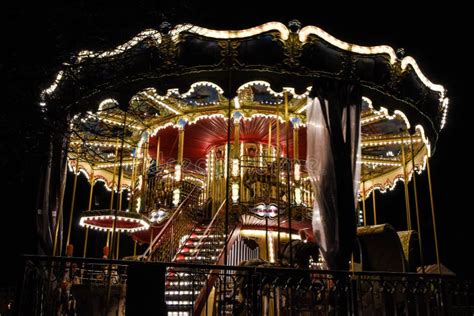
333	145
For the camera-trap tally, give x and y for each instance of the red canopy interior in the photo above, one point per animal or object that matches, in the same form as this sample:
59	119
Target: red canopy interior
201	136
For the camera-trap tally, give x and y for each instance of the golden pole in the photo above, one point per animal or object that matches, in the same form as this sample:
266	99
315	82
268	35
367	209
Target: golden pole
405	183
91	192
269	151
180	145
158	152
113	183
352	263
108	239
120	208
132	186
113	175
144	181
278	174
120	195
73	200
363	202
135	249
415	192
295	141
374	206
433	215
288	197
236	139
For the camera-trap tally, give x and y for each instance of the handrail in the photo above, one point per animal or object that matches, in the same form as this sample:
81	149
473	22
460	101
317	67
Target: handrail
206	290
163	230
207	228
273	270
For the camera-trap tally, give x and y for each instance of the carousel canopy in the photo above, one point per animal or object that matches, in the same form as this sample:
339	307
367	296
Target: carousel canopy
282	56
160	81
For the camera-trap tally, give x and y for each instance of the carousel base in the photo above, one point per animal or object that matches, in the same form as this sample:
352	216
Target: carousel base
204	289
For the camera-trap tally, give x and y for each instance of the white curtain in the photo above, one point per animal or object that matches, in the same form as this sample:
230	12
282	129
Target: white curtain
333	164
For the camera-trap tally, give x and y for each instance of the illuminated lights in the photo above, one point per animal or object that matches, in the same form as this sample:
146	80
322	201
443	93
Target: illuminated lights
384	182
421	130
383	113
226	152
158	128
163	104
267	85
215	115
271	250
434	87
155	35
266	210
235	167
445	106
207	116
262	233
98	174
54	85
140	224
263	115
298	195
191	90
177	172
176	197
236	103
139	204
235	192
404	117
107	102
110	165
297	167
378	161
388	140
104	143
277	26
364	50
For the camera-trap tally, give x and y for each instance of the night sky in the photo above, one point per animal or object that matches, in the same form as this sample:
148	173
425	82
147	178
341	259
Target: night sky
36	40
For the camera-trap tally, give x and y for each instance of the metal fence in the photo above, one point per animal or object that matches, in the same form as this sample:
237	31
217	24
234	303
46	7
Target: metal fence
73	286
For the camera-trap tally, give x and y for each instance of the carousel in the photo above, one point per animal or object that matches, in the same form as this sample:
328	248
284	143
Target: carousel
265	146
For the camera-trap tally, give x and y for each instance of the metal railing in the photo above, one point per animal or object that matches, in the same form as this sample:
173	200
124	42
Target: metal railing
165	244
238	290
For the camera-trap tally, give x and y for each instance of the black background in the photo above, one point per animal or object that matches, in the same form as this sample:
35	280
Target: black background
36	39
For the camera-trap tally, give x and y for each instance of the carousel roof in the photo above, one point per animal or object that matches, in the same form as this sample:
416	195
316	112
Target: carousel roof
189	75
282	56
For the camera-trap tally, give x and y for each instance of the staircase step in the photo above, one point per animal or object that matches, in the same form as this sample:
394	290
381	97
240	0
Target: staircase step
183	285
192	250
178	313
182	297
197	247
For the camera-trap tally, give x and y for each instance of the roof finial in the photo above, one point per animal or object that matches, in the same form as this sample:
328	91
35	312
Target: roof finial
294	26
